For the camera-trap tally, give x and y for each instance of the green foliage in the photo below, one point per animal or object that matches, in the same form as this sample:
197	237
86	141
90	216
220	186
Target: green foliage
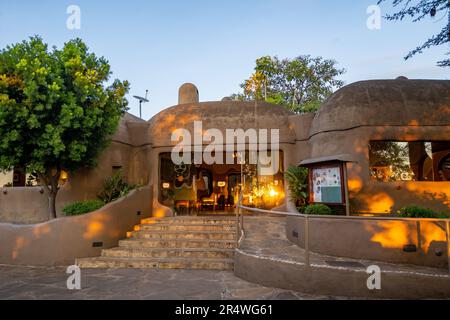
115	187
390	154
419	10
297	180
414	211
318	210
301	84
56	110
79	208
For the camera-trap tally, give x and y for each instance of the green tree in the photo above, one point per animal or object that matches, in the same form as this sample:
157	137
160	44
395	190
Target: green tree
418	10
56	110
301	84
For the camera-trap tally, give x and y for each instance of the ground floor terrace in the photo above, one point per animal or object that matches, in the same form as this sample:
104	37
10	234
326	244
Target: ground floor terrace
266	265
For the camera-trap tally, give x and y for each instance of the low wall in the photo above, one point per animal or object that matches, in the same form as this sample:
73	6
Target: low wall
379	240
61	241
23	205
29	205
338	281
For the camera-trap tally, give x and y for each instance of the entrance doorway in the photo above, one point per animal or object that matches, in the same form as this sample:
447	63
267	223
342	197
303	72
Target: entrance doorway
214	189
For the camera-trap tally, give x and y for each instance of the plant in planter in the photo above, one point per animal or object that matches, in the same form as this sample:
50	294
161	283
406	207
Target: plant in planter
318	210
83	207
115	187
414	211
297	180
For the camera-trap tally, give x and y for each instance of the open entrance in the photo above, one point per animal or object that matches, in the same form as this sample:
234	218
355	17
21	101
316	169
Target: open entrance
214	189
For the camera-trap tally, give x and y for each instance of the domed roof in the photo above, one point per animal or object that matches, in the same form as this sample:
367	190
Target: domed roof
398	102
220	115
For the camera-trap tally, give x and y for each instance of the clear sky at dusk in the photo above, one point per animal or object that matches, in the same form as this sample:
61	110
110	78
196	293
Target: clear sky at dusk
158	45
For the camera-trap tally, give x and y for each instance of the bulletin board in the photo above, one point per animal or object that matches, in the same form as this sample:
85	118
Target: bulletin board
326	184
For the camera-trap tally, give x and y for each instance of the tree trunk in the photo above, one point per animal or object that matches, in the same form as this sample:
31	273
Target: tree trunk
50	184
52	205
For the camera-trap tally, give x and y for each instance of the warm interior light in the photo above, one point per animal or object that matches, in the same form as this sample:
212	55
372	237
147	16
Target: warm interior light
221	184
166	185
273	193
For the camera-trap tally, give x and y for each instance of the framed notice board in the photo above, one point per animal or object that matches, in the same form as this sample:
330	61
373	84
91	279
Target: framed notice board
327	184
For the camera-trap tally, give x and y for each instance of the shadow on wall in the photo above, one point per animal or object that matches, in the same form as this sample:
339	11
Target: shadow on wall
61	241
386	198
407	242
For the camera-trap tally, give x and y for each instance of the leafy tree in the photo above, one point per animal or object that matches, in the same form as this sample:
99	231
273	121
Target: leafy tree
56	111
301	84
419	10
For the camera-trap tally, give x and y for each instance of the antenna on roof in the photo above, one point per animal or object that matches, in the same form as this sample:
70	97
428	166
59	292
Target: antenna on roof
141	100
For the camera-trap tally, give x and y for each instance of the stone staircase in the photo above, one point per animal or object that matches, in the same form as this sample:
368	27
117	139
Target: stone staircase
173	243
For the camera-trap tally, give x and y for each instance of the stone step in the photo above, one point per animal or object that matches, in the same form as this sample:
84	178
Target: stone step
154	263
169	253
190	220
195	235
177	243
186	227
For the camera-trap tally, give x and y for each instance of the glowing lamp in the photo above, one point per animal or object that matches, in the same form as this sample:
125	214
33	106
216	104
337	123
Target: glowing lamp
63	177
166	185
221	184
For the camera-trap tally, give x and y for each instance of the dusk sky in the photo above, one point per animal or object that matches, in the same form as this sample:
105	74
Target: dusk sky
159	45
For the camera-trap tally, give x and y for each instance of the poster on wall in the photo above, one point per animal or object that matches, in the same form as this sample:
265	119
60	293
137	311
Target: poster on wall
327	185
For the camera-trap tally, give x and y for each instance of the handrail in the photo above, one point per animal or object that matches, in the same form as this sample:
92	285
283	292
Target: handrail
240	227
342	217
239	222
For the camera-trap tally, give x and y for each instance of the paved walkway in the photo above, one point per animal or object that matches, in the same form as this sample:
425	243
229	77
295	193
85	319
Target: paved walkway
50	283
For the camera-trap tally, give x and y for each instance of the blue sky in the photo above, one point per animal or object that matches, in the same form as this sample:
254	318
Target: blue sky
160	44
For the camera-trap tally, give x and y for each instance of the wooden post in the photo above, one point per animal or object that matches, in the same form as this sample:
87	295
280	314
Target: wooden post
307	242
347	200
448	243
238	229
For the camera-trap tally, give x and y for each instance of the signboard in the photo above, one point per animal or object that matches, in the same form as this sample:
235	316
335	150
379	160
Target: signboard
327	184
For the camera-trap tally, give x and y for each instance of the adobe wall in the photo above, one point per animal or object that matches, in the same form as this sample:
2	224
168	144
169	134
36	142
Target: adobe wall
369	196
373	240
82	185
60	241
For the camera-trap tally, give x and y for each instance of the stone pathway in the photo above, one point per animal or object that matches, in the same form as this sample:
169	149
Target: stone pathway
27	283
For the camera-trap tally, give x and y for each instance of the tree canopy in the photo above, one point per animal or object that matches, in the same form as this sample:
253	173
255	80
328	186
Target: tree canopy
418	10
301	84
57	111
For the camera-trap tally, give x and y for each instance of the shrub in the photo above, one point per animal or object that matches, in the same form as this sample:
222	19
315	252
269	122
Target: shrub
318	210
414	211
79	208
115	187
